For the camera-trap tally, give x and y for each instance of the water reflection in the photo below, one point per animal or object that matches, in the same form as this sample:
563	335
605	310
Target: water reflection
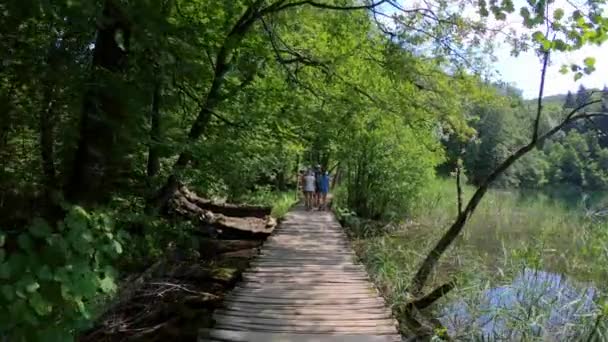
537	303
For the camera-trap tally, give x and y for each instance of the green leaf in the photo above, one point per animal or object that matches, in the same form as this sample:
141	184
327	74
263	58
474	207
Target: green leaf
588	70
5	270
107	285
538	36
117	247
77	219
25	242
85	286
82	308
8	292
29	283
564	69
558	14
589	62
45	273
87	236
39	304
578	76
507	5
2	239
560	45
32	287
40	228
20	294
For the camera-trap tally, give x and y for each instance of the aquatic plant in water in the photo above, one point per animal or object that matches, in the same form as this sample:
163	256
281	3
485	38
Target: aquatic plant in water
536	304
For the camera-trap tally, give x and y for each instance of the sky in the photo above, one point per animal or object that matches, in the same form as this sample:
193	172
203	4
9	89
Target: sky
524	70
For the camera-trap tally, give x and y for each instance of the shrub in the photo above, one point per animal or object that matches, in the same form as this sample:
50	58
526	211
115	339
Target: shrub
386	166
50	277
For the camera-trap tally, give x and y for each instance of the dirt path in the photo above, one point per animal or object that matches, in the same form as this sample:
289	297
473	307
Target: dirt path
305	286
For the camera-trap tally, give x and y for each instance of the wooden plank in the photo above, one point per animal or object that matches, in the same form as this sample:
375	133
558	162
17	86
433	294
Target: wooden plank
302	262
284	253
252	336
304	301
236	304
259	307
292	280
305	263
324	269
389	330
308	315
309	289
278	322
310	248
301	283
332	287
319	275
304	295
313	234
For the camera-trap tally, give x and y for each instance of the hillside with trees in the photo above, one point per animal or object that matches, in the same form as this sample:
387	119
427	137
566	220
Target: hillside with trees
574	157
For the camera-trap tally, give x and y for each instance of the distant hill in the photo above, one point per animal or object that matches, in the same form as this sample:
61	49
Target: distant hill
558	99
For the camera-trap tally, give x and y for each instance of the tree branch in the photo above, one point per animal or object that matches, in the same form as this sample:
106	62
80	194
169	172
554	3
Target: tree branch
326	6
433	296
541	89
459	185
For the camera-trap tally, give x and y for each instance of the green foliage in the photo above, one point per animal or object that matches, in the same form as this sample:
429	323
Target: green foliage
574	157
386	163
51	277
280	202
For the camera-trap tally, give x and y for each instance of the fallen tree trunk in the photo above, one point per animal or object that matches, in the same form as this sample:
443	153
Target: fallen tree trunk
228	209
221	220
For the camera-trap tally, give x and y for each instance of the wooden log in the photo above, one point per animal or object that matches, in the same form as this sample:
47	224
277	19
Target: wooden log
227	209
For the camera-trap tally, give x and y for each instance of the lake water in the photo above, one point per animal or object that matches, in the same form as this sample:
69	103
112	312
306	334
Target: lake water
537	303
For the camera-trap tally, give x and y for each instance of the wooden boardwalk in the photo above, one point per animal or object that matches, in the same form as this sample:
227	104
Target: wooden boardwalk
305	286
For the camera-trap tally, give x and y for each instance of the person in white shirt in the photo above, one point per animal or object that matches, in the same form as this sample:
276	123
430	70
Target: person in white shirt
309	189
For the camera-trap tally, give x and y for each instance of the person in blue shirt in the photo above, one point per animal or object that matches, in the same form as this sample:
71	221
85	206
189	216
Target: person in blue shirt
323	183
318	172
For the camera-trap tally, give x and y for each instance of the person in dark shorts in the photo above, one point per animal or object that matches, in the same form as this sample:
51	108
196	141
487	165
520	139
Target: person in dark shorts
318	174
323	190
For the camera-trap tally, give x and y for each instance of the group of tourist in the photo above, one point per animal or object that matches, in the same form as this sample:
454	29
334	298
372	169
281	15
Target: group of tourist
315	185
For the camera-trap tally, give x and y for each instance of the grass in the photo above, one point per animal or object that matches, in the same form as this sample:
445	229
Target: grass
280	202
509	232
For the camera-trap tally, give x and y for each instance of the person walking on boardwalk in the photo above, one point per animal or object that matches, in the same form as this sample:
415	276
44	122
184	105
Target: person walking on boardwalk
318	174
323	183
309	189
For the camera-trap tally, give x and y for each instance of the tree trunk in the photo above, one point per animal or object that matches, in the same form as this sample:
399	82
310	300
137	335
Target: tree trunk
427	266
47	141
103	115
223	63
153	153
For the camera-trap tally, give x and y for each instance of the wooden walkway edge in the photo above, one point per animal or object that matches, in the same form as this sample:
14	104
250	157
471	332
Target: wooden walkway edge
305	286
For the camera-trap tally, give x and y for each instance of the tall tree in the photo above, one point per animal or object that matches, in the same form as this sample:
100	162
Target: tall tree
582	95
98	159
569	102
